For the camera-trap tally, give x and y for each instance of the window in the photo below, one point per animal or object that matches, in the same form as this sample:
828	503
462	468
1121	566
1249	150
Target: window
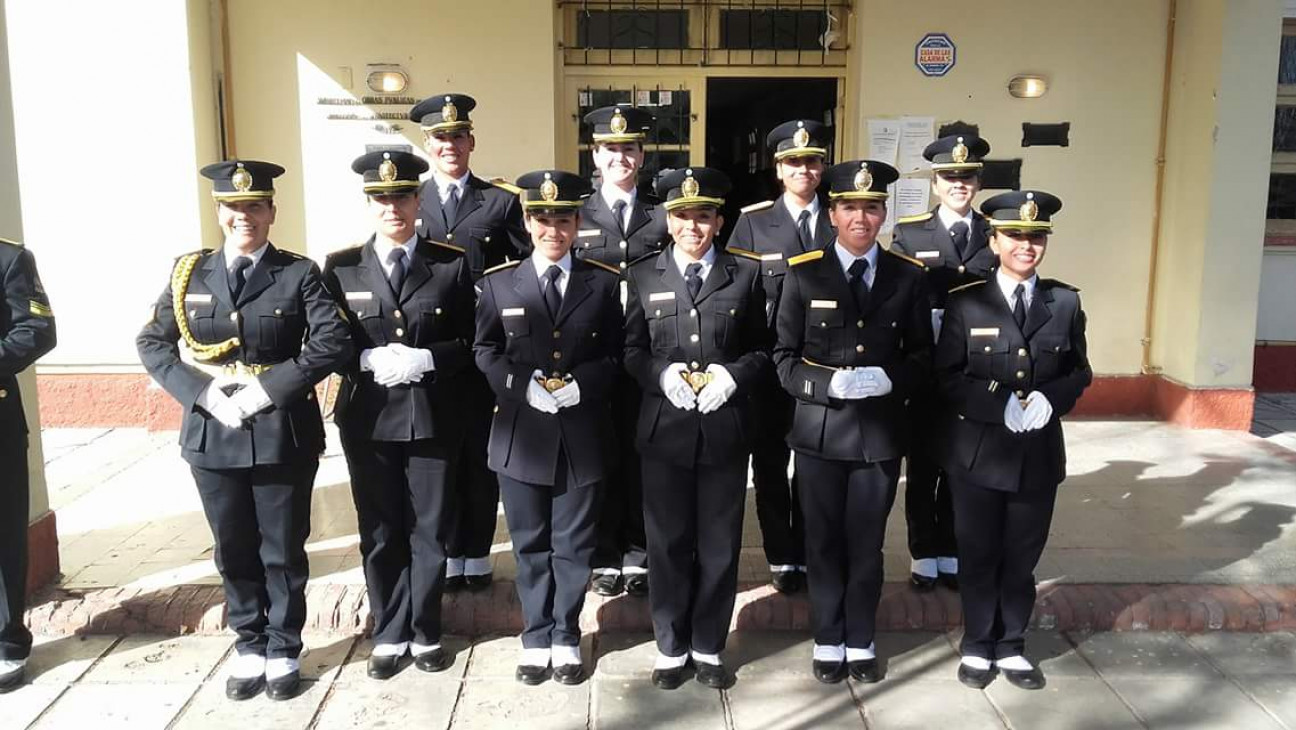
632	29
783	30
1281	208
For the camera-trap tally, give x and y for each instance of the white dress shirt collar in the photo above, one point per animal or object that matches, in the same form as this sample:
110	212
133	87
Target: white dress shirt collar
383	249
682	261
542	265
790	203
948	217
1008	286
846	258
445	183
232	252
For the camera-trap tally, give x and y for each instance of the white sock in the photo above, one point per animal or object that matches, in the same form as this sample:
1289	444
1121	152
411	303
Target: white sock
477	566
281	667
417	649
713	659
561	655
634	570
948	566
397	649
1015	664
607	571
454	567
976	662
829	652
535	657
783	568
247	666
859	655
670	662
925	567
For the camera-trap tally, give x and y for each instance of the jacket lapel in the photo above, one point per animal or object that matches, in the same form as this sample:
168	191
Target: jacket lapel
420	270
830	270
671	276
824	233
262	276
1039	311
470	200
600	215
375	275
527	285
719	277
578	289
216	277
883	281
430	215
638	217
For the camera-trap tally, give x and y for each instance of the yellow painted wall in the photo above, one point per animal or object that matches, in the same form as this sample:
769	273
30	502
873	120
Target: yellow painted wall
287	53
1104	61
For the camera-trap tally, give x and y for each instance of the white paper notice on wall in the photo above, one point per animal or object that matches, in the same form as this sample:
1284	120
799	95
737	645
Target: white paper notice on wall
889	224
911	196
915	134
884	140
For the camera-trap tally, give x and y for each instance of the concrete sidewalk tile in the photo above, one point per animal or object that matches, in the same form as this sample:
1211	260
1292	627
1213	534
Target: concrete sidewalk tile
1183	703
155	660
625	656
1065	703
411	699
112	706
23	705
1057	657
1277	694
753	654
354	670
1137	655
925	704
631	704
772	703
497	657
1240	654
915	655
62	660
496	703
210	710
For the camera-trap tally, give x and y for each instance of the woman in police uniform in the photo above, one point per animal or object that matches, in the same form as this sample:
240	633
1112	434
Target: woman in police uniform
1011	361
259	331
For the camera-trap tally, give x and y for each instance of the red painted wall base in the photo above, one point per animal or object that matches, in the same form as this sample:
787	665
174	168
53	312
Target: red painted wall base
42	552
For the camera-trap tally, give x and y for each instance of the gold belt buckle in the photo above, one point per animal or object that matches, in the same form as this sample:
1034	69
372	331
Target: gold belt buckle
554	382
697	379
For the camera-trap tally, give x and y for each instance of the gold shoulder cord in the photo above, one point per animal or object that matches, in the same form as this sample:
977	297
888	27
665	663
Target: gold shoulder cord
179	287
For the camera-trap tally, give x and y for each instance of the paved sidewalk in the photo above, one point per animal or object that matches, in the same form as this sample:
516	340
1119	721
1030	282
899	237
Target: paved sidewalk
1095	681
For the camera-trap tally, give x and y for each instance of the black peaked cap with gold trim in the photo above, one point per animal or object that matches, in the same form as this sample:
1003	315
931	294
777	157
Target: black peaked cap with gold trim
390	171
692	187
1022	209
620	124
799	138
957	152
552	190
235	180
444	113
860	180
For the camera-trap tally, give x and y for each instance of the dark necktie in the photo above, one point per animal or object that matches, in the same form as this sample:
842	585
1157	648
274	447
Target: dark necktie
858	284
959	234
552	296
803	231
450	209
618	212
693	280
1019	308
397	277
238	277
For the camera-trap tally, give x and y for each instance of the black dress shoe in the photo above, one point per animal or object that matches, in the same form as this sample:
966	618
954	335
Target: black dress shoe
382	667
437	660
636	585
530	674
12	680
864	670
1031	678
921	582
239	689
975	678
669	678
712	675
477	583
788	581
608	584
569	673
949	580
829	672
283	688
453	584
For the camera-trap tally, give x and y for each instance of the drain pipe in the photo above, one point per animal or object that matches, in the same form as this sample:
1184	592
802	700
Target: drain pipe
1154	255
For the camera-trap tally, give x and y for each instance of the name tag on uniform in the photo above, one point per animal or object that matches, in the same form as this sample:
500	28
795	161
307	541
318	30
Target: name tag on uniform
359	296
985	332
823	303
513	312
777	256
198	298
927	254
661	296
587	232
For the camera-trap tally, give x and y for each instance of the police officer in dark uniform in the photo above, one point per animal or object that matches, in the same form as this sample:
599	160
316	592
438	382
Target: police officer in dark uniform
549	339
410	304
951	240
26	333
485	219
698	344
854	341
1012	359
621	224
776	231
259	331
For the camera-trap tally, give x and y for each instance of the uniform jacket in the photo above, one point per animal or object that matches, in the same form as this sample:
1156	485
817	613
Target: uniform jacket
516	336
488	224
600	237
820	330
433	311
284	317
26	331
927	239
768	229
725	326
983	359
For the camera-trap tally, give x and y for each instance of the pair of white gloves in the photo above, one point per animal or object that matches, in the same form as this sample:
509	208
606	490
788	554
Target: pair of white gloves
866	382
396	364
233	410
708	400
539	397
1032	414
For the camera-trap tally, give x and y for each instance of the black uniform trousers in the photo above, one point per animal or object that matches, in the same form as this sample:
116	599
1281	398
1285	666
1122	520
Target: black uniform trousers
1001	536
553	531
778	508
621	539
929	510
474	504
694	519
260	519
401	489
15	501
848	502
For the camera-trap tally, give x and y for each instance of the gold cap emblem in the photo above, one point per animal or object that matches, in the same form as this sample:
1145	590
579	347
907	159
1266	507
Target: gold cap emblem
241	179
801	138
618	122
449	112
1029	210
960	152
690	187
863	179
549	189
387	170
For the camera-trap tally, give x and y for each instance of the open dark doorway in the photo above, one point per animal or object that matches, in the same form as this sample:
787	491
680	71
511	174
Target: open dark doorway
740	112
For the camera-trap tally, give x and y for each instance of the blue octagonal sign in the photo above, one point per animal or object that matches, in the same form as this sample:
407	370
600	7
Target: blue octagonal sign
934	54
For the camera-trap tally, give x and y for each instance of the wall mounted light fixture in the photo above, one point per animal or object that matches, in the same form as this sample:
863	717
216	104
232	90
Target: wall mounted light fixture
1027	86
386	78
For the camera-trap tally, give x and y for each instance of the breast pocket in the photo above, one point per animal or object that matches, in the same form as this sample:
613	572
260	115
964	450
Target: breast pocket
1051	357
726	318
663	323
202	322
516	325
823	331
592	239
431	317
482	248
280	327
987	355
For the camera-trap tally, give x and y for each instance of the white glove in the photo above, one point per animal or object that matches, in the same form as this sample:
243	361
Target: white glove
874	381
539	398
676	389
937	316
218	405
410	364
251	399
846	385
1014	414
718	391
376	358
1037	413
568	395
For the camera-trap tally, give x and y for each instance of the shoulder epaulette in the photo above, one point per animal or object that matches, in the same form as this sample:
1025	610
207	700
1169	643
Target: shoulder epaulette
1061	284
910	259
11	243
451	246
501	267
804	257
290	254
199	252
346	251
967	286
915	218
601	265
503	184
744	253
649	256
758	206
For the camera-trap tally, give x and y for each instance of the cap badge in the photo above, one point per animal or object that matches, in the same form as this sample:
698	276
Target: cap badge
863	179
387	170
241	179
449	112
1029	211
617	123
960	152
690	187
801	138
549	189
